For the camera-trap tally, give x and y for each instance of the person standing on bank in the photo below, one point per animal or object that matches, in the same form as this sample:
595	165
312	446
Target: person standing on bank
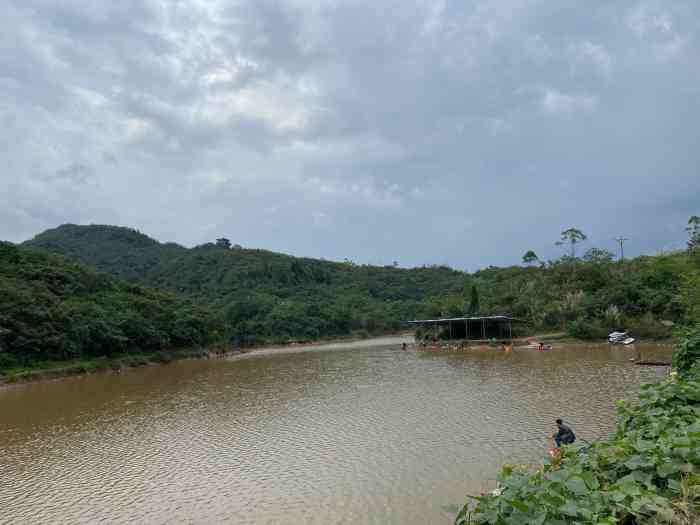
564	435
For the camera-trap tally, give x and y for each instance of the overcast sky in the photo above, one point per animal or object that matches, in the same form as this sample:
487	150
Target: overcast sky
426	132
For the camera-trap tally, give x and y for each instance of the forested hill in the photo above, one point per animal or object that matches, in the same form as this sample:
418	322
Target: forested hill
120	251
52	308
220	270
267	296
263	294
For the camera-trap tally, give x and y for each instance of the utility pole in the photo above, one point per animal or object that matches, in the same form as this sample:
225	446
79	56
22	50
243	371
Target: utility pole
622	240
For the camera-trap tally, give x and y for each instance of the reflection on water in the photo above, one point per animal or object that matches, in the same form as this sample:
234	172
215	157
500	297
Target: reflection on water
363	434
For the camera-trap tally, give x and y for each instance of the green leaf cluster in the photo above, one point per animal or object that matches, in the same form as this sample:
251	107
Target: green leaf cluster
686	358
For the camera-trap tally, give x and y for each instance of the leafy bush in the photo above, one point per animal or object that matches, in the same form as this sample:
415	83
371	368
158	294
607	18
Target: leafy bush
162	357
7	361
362	334
589	329
645	327
648	327
687	355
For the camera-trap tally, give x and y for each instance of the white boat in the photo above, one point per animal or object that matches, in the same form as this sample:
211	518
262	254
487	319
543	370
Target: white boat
617	337
620	338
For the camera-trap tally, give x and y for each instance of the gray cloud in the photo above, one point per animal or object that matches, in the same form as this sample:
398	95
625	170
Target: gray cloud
424	132
75	173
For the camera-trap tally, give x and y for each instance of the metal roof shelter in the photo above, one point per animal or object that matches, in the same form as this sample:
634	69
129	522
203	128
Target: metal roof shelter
485	327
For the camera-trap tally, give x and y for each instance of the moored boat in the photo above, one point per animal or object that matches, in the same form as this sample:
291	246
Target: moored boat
620	338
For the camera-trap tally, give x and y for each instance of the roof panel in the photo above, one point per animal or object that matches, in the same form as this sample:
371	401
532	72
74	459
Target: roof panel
484	318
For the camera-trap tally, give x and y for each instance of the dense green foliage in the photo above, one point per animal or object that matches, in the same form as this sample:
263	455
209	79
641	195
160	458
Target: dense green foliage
54	309
260	294
686	359
274	297
649	472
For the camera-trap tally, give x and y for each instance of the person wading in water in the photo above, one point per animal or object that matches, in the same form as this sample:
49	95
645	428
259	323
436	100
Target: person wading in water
564	436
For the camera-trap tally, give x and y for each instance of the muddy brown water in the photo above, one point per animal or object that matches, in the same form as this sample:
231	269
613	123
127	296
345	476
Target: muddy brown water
348	433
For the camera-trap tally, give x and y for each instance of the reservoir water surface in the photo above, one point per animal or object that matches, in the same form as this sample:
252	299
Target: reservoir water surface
360	433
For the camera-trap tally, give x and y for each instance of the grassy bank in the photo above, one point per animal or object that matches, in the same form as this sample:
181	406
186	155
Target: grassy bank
647	473
47	369
42	370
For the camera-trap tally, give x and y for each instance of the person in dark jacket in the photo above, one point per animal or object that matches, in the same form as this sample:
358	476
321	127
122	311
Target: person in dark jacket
564	436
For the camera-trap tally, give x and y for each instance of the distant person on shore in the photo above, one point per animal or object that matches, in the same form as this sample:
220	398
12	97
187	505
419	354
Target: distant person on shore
564	435
403	346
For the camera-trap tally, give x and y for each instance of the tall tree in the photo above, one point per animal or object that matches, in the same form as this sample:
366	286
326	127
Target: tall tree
474	302
530	257
572	237
223	242
693	230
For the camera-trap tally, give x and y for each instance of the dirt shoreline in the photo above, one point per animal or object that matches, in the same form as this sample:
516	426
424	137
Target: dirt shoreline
57	370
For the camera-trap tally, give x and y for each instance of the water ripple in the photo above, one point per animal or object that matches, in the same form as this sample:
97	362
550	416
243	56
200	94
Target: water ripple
359	435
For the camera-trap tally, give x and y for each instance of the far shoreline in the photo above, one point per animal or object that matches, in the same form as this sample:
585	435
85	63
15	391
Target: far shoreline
56	370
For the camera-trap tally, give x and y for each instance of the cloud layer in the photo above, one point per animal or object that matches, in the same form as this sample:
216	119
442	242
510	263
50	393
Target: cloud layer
424	132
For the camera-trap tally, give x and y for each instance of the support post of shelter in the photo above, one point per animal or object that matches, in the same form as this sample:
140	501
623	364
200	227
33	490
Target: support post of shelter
498	326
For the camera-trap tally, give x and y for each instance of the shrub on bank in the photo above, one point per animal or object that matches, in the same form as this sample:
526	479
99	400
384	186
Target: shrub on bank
648	327
648	472
645	327
686	358
589	329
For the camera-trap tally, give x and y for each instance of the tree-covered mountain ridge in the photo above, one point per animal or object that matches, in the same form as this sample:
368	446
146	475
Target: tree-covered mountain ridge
218	268
54	309
262	295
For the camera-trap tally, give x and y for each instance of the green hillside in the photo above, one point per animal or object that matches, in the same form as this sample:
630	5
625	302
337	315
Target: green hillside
265	296
54	309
